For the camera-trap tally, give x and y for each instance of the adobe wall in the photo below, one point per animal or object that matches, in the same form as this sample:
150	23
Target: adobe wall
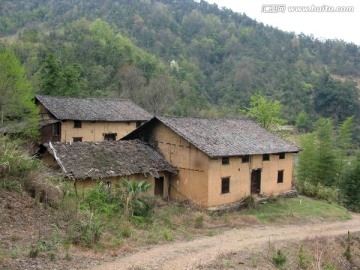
240	177
94	131
83	185
192	181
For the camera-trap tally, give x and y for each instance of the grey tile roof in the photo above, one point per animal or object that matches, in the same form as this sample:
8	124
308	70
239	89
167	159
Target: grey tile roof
97	160
224	137
93	109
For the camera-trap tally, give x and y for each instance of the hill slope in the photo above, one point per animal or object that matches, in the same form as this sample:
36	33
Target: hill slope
214	58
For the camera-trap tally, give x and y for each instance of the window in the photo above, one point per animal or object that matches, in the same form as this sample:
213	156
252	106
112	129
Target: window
225	185
225	161
281	155
138	124
77	124
280	178
245	159
110	136
77	139
266	157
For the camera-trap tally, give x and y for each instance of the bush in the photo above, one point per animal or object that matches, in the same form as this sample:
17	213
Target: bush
279	259
330	194
87	230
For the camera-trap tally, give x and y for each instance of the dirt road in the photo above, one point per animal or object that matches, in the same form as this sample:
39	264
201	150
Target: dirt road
188	255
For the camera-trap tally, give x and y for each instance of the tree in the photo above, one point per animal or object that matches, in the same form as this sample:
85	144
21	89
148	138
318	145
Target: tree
265	112
350	185
302	121
132	190
344	143
324	153
16	105
158	95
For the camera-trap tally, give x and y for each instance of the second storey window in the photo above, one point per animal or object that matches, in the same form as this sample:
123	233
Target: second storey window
77	124
225	185
281	155
266	157
245	159
225	161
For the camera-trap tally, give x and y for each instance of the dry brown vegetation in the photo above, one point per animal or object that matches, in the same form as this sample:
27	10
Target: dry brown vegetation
312	254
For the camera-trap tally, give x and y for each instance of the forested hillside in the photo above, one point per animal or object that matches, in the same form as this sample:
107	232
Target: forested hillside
178	57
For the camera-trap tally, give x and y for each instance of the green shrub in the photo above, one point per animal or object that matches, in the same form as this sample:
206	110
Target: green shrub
100	200
16	165
279	259
87	230
199	221
330	194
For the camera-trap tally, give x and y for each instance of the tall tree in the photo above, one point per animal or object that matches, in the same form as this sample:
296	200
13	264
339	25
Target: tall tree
350	186
158	95
16	95
265	111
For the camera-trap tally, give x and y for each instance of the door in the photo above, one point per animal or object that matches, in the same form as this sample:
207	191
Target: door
255	181
159	187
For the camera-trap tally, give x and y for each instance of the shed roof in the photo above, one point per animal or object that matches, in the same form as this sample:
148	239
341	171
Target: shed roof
93	109
98	160
224	137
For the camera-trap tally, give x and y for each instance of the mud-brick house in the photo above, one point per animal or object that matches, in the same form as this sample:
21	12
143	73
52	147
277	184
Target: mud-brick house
220	161
68	119
87	163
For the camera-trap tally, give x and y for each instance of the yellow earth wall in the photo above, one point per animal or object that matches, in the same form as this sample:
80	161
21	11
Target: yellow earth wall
240	177
239	181
192	181
83	185
269	174
94	131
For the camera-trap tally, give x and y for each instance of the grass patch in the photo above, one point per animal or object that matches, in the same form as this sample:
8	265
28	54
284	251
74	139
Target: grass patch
299	208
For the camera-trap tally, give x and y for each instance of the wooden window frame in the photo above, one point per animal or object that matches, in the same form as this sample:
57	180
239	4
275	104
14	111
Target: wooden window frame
280	177
108	135
225	185
77	124
77	139
225	160
266	157
281	155
245	159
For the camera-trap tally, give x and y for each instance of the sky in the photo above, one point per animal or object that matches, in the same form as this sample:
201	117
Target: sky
320	22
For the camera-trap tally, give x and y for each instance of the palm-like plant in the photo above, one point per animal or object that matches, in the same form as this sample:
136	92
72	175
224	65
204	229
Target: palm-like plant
132	190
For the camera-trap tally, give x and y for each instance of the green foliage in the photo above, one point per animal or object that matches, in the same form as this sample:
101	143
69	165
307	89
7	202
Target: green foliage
133	203
16	104
199	221
216	58
330	194
318	160
87	230
279	259
16	166
265	112
100	200
302	121
336	99
350	185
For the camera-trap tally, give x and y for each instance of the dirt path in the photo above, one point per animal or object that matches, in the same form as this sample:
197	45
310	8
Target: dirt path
187	255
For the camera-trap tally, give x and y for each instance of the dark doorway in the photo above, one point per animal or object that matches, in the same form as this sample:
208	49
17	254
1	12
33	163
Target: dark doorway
255	181
159	186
